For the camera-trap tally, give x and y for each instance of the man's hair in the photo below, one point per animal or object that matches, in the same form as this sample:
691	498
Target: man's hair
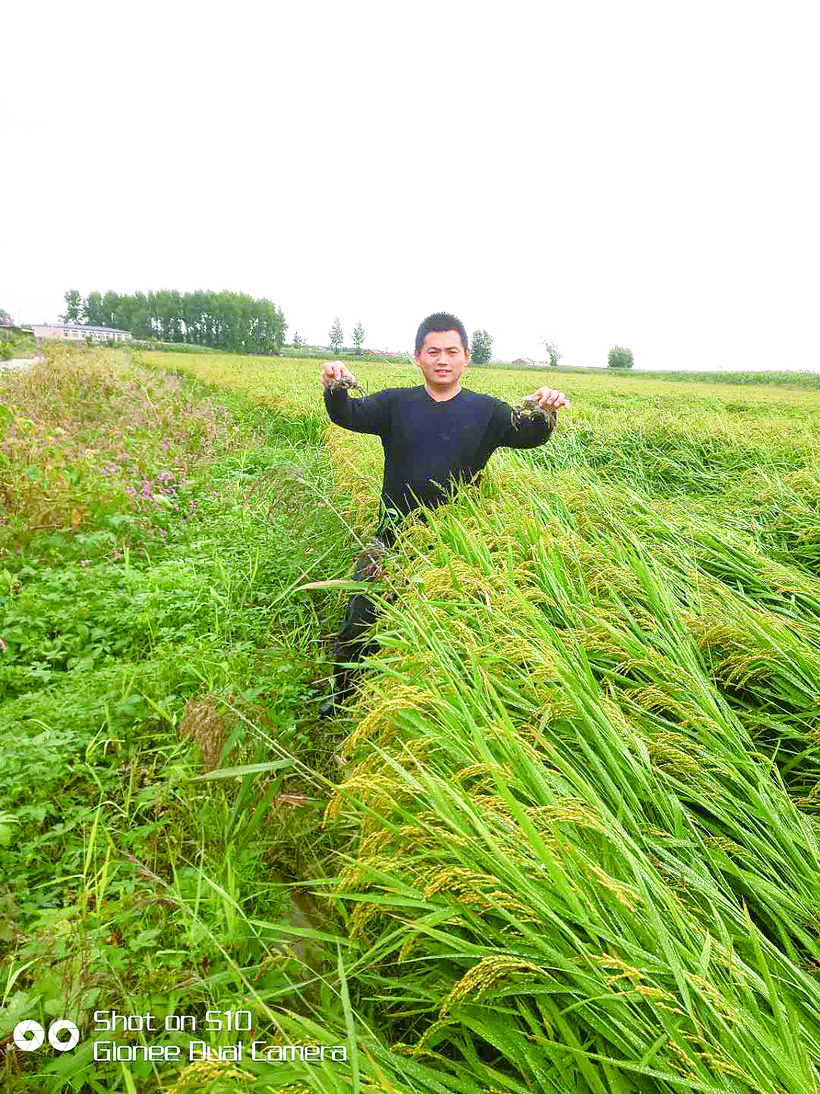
439	322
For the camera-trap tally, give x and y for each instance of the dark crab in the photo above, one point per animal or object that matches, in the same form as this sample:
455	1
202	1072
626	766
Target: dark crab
370	561
528	408
346	382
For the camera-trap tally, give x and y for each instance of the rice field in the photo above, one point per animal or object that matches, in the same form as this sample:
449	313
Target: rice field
586	770
579	825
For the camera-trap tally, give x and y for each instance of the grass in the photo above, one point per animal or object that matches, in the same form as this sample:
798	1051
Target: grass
16	345
576	842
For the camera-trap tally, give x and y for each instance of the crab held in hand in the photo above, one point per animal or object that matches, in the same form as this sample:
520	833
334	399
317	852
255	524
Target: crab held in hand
346	382
529	408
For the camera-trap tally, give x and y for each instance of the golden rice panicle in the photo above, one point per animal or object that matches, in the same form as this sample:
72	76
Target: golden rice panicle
453	878
479	769
201	1073
572	810
484	976
401	697
361	914
622	893
430	1032
407	946
379	791
408	836
375	842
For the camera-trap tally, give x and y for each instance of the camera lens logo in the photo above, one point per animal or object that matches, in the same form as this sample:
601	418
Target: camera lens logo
29	1036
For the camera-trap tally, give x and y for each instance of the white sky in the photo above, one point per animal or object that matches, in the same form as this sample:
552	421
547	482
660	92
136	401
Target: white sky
633	173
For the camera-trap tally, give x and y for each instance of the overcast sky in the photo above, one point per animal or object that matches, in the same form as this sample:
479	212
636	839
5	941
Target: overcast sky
632	173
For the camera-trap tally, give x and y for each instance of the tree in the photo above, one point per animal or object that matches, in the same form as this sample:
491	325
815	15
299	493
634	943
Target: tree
74	306
92	308
358	336
139	316
231	321
482	347
552	349
620	357
109	309
336	336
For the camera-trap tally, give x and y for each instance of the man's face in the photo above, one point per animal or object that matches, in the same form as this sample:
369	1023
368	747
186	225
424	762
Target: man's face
442	359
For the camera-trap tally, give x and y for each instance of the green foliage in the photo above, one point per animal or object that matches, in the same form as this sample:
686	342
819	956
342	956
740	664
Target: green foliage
620	357
131	666
336	336
74	306
482	349
358	337
18	345
92	311
553	352
233	322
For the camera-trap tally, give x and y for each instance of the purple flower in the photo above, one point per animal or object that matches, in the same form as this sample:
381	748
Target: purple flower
146	490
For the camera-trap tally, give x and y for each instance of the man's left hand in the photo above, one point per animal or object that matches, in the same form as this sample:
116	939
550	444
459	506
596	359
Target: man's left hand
549	399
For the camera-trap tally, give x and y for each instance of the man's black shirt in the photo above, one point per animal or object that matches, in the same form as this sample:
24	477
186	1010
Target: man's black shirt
427	442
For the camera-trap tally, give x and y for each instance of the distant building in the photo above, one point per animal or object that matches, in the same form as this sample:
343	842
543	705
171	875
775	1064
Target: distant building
9	330
74	332
529	362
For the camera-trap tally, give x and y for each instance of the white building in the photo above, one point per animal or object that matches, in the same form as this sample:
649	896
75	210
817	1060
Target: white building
74	332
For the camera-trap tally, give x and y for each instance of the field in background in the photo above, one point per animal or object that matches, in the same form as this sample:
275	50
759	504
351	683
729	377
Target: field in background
576	845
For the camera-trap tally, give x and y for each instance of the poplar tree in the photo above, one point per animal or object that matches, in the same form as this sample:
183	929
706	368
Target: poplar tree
336	336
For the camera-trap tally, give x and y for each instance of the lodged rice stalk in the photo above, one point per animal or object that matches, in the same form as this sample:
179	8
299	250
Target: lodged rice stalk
585	776
585	867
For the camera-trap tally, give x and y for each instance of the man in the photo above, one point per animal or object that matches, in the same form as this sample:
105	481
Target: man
433	436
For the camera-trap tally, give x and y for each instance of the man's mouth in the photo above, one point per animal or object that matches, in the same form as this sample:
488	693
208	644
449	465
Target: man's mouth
442	370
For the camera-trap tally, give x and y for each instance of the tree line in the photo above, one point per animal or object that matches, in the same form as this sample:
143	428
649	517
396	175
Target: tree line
234	322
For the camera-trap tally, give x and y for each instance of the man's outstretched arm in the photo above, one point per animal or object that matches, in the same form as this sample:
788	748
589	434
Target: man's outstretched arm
367	415
521	431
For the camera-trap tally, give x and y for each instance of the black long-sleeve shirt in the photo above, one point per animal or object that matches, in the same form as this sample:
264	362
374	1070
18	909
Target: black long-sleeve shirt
427	442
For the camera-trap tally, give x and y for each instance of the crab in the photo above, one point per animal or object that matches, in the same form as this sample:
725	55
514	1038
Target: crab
529	408
371	559
346	382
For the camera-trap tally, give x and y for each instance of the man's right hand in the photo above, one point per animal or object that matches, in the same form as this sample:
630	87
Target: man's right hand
334	370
